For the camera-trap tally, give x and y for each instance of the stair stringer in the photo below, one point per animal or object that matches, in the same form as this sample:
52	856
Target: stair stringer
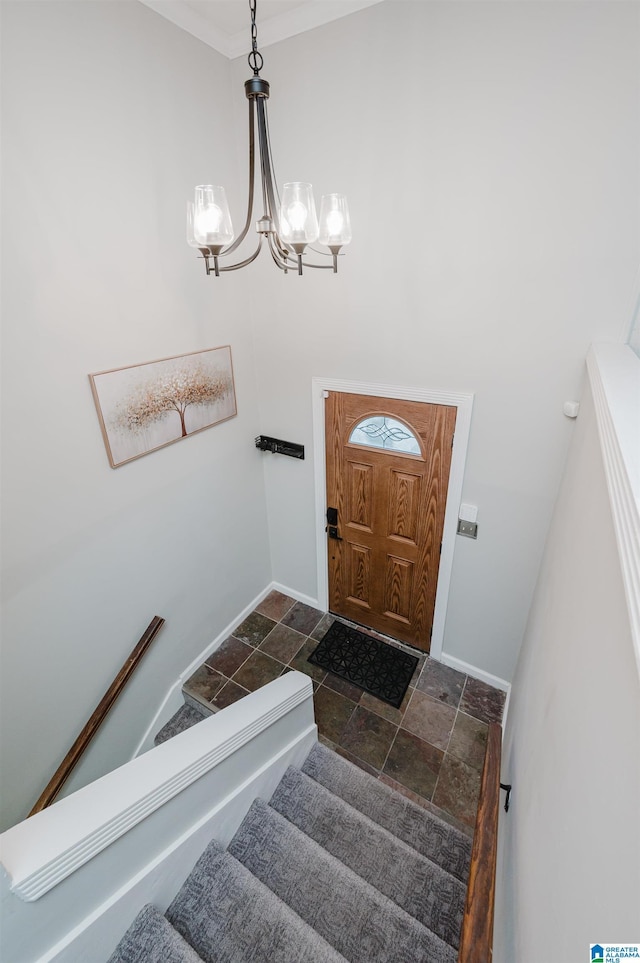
76	875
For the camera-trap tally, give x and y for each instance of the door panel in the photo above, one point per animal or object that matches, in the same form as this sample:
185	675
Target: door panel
359	495
359	569
383	569
404	501
398	586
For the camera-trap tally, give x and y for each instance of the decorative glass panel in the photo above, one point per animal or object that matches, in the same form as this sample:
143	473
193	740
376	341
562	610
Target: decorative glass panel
380	431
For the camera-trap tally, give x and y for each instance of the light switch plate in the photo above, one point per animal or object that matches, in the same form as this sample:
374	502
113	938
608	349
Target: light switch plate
468	513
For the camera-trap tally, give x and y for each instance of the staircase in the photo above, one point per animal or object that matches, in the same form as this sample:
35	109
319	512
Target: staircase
336	866
187	715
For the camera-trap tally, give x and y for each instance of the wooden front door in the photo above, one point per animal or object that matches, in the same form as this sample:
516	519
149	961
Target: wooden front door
387	475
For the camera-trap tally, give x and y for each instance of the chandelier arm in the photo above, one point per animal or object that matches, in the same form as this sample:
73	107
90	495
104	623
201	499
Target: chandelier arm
285	252
265	190
272	168
267	168
278	264
315	250
276	254
292	261
252	166
241	264
320	267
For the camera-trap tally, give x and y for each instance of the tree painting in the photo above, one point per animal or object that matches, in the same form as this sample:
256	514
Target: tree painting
187	385
144	407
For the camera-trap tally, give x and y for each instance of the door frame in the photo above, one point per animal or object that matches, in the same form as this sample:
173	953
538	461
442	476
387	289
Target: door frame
463	401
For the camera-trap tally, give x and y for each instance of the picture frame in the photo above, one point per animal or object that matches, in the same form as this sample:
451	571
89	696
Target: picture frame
144	407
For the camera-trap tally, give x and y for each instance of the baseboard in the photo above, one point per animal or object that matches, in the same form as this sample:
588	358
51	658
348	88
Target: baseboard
482	676
475	672
298	596
173	699
505	713
450	660
247	610
168	708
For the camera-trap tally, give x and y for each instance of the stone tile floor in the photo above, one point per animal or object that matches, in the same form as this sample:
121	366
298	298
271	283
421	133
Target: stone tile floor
431	749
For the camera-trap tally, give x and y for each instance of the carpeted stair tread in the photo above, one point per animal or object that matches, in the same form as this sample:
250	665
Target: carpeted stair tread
153	939
416	884
353	916
184	718
229	916
420	829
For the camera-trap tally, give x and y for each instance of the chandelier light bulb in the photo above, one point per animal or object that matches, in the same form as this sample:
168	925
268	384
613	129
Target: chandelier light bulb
335	224
298	219
210	220
212	226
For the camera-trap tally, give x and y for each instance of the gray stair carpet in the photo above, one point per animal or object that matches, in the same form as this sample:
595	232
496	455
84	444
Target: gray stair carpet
416	884
353	916
229	916
184	718
153	939
424	832
337	868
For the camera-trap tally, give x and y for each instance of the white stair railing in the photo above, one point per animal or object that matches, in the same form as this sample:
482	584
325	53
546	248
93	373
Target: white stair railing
75	875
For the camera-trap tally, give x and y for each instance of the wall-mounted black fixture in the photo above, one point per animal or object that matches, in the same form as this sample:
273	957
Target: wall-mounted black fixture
279	447
507	787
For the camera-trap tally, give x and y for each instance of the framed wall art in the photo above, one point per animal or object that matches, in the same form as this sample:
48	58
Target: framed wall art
144	407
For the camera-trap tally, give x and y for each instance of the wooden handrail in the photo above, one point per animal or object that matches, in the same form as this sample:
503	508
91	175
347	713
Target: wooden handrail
477	925
71	759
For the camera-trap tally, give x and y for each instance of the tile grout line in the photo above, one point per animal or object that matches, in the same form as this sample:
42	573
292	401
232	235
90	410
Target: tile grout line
345	729
435	788
399	727
230	677
307	638
393	742
256	648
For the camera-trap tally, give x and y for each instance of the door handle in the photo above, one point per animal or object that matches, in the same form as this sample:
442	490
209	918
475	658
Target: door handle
332	524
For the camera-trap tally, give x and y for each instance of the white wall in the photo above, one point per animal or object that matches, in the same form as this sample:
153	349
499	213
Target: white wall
504	139
490	155
111	116
569	848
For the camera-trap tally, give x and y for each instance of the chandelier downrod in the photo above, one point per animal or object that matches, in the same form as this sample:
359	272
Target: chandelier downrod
289	224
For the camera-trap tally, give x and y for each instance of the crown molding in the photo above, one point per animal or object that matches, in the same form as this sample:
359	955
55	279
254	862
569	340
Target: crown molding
188	19
308	16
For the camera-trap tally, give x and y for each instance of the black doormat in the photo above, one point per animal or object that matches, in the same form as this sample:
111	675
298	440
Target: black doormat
374	666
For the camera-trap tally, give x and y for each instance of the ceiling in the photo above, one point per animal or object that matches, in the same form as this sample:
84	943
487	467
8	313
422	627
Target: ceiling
225	25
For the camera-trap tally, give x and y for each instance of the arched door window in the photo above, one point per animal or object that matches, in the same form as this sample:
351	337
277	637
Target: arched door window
381	431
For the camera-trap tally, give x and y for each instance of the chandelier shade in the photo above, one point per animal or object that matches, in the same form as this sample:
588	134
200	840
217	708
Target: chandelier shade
289	225
298	220
211	218
335	225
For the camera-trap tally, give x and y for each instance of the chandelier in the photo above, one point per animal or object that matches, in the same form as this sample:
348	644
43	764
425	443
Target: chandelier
289	225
